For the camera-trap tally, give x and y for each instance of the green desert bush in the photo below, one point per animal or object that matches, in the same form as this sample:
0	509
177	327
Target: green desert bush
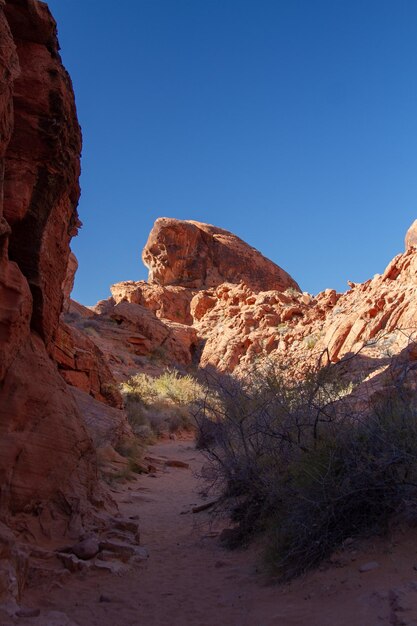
166	403
305	463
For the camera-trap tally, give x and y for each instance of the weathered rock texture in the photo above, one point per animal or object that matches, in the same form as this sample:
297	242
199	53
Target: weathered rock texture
68	283
128	336
42	163
149	325
169	302
47	462
411	236
196	255
82	364
377	318
234	323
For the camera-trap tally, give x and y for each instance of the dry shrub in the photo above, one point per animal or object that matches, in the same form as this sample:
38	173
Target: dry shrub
166	403
298	461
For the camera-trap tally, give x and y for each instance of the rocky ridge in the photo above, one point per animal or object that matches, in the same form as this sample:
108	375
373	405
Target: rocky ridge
233	324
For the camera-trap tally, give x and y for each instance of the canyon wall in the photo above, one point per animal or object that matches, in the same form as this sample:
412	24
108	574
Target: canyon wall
47	462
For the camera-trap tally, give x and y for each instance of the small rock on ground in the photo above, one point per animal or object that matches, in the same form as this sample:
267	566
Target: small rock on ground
368	567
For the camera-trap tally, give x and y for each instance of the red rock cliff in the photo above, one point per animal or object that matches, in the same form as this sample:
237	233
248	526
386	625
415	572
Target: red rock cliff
46	457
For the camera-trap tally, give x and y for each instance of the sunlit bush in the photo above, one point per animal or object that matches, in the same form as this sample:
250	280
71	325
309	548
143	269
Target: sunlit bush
166	403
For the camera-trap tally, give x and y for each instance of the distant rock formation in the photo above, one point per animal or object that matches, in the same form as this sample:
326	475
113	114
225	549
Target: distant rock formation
377	319
195	255
234	323
411	236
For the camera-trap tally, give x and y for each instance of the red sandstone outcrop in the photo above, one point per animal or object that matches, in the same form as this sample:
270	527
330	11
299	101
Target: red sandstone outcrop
377	319
196	255
68	284
103	422
411	236
47	461
167	302
42	163
131	338
82	364
235	325
151	324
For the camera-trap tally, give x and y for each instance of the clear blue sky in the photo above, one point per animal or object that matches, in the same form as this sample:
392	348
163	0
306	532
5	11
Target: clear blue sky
292	123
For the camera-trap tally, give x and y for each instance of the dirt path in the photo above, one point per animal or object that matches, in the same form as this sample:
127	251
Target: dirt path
190	580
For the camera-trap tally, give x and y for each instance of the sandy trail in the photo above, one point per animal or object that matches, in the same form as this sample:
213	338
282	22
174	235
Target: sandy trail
190	580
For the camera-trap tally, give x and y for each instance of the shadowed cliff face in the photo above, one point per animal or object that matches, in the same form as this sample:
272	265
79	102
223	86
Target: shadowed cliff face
47	463
42	164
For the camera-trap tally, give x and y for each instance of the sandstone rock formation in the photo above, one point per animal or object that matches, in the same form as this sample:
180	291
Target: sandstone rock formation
197	255
232	325
411	236
42	166
47	461
68	284
129	336
82	365
169	302
145	326
377	318
211	301
80	361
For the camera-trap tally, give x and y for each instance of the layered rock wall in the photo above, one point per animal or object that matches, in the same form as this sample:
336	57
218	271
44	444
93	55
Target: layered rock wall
47	462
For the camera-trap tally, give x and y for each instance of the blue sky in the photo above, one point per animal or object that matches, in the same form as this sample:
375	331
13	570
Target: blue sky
292	123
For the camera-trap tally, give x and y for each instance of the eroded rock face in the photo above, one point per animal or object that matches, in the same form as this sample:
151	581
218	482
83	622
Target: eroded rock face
235	325
196	255
13	568
82	364
45	450
377	319
15	297
169	302
47	461
132	338
68	284
80	361
42	163
106	425
411	236
146	326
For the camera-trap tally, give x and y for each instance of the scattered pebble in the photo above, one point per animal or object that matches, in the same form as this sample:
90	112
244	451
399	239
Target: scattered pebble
175	463
104	598
28	612
368	567
86	549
